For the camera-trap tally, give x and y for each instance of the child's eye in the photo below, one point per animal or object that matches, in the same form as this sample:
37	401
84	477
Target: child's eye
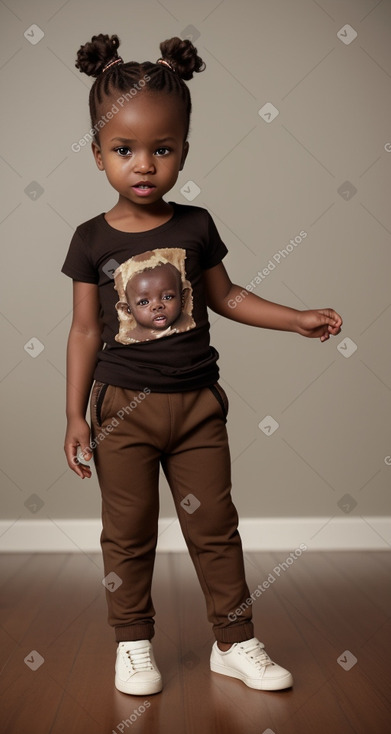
168	297
143	302
123	151
162	151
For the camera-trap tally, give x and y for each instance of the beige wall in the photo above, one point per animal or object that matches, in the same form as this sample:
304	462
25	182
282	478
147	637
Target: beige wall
264	183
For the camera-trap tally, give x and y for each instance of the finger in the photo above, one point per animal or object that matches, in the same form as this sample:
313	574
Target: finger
334	330
86	471
74	462
336	318
82	470
86	452
332	320
330	314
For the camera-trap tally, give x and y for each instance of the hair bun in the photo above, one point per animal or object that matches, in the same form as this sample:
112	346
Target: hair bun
94	55
183	56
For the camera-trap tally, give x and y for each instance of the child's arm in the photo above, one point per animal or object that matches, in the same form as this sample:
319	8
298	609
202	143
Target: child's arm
84	343
238	304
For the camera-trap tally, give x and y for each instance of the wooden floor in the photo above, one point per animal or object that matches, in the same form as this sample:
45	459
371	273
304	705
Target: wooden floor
325	607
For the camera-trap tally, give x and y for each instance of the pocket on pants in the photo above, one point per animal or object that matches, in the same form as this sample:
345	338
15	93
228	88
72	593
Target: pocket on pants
221	397
98	395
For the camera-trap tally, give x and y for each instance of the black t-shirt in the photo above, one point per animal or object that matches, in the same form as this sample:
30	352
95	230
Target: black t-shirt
152	301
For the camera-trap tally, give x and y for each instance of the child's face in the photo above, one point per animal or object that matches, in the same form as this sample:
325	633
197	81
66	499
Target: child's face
155	297
142	148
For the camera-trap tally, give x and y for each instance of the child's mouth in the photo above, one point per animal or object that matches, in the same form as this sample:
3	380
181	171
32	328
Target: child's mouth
160	319
143	189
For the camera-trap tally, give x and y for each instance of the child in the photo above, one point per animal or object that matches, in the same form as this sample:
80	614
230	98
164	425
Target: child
154	296
140	120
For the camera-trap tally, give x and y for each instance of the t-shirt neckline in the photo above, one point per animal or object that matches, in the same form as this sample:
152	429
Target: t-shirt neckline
145	232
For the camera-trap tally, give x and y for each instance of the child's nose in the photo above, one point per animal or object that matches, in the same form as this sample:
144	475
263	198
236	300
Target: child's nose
144	163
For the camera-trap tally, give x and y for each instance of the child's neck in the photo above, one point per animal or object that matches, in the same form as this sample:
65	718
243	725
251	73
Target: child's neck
128	217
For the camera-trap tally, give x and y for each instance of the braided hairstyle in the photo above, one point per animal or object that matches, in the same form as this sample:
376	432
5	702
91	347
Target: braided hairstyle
181	61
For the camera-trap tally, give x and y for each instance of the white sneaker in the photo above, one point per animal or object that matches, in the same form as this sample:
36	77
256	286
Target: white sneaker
136	671
250	662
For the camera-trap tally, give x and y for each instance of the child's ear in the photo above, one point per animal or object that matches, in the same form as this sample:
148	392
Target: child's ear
96	151
184	294
184	155
123	308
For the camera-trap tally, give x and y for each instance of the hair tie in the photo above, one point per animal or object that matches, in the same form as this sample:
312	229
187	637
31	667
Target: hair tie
166	63
118	60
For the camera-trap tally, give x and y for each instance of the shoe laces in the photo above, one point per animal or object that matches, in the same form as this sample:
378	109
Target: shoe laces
139	660
258	655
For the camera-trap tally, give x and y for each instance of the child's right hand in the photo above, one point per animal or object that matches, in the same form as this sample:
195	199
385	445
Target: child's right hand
78	437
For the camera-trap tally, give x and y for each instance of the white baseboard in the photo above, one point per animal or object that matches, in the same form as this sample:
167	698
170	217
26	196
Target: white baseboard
258	534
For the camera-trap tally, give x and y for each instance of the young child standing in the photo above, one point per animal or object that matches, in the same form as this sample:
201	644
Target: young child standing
140	121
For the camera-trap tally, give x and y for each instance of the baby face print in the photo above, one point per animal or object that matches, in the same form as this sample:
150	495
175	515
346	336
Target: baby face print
155	296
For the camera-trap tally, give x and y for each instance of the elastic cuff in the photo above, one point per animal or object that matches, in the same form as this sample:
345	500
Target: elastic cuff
235	633
134	632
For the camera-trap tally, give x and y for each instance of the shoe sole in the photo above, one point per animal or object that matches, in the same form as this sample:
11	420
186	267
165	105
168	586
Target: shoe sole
138	689
265	685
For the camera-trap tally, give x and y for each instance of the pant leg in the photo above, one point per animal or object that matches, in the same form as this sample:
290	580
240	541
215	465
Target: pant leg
197	463
126	454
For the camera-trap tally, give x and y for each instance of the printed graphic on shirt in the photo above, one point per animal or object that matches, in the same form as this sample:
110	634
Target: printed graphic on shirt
155	297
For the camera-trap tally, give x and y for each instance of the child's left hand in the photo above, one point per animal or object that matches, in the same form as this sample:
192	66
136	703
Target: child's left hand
321	323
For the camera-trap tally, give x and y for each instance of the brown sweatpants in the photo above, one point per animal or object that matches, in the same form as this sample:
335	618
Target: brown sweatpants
133	432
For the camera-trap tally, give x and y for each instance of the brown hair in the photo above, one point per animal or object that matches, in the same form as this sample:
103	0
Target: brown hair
181	58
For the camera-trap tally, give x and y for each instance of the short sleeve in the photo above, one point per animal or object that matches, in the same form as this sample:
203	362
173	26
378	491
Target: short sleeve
78	264
215	249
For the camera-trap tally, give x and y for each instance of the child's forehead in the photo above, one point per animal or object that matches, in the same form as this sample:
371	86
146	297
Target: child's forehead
164	273
149	114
